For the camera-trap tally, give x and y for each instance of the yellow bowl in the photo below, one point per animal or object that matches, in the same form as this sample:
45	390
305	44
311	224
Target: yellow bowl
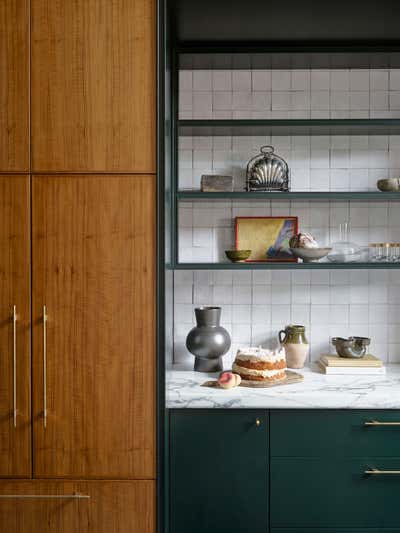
237	256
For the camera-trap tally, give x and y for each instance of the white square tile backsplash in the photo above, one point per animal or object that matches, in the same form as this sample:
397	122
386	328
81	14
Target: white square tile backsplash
292	93
329	303
257	304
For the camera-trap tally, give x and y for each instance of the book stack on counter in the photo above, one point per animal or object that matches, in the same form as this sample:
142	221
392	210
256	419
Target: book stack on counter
364	366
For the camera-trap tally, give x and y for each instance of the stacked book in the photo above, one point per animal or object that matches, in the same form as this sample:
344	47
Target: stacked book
366	365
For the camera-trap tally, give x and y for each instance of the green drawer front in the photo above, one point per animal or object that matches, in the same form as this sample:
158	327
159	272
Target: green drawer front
333	493
336	530
334	433
218	471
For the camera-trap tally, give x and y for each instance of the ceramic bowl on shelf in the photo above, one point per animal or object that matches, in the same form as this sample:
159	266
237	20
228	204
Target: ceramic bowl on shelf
237	256
389	185
310	255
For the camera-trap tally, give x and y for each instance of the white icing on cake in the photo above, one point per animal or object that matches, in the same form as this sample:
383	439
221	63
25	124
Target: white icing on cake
261	354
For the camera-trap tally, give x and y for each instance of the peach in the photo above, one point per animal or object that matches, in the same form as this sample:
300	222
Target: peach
228	380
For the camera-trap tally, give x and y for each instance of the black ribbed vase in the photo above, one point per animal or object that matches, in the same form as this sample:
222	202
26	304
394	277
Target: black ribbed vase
208	341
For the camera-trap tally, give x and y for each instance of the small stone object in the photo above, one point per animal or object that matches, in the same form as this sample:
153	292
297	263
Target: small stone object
215	183
228	380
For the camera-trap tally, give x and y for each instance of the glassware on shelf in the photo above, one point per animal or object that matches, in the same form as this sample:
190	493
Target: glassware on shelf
395	252
344	251
376	252
385	252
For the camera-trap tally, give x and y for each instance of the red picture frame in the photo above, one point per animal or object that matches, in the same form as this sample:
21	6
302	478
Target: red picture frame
271	259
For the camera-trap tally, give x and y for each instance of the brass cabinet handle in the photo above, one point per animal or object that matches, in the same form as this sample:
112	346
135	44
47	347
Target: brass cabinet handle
15	364
258	422
377	423
44	367
377	472
44	496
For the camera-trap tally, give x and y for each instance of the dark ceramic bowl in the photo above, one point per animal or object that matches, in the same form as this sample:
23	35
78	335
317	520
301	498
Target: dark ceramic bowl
353	347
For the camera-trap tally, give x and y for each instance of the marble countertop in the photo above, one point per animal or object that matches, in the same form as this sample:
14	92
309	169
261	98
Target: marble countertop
317	391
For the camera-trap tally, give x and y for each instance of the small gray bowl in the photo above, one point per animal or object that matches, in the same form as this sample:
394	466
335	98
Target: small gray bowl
310	255
352	348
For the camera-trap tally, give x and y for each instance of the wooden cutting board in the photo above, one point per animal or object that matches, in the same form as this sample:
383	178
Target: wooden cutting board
291	377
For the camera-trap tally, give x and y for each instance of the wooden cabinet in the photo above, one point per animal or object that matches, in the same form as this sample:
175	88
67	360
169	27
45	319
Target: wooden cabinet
15	366
219	471
94	85
53	506
14	85
93	245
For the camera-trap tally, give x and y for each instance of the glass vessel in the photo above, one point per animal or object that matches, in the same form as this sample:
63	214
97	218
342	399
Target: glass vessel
344	251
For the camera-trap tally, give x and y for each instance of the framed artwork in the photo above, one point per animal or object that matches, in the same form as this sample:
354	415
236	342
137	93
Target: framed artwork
267	237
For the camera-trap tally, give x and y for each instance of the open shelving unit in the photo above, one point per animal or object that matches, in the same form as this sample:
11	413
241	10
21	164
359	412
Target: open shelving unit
285	266
254	127
244	55
340	196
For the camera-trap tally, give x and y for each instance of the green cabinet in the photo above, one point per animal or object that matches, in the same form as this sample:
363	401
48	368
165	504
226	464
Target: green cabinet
219	471
334	493
335	433
284	471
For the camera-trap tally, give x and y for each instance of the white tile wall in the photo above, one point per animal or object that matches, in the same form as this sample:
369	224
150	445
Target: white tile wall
206	229
256	305
289	94
323	163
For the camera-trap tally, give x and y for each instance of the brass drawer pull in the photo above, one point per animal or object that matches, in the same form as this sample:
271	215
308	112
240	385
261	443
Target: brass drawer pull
258	422
377	423
44	496
377	472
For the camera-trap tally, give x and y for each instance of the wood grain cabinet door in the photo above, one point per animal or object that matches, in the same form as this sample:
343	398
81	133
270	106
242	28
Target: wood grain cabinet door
94	85
15	363
77	506
94	357
14	85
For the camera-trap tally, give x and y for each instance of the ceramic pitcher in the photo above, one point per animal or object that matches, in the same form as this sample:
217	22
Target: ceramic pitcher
293	339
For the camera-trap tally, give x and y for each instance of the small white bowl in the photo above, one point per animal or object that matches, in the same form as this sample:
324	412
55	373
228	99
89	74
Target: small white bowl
310	255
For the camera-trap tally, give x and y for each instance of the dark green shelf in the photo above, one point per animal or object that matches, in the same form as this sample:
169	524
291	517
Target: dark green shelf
284	266
259	127
282	196
287	55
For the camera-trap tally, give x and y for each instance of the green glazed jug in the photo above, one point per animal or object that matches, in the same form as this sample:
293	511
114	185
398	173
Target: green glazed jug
293	339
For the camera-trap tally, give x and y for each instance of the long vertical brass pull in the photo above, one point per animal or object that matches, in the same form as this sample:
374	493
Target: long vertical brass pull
15	364
44	367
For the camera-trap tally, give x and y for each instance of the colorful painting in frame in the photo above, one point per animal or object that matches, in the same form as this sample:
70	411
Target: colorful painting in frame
267	237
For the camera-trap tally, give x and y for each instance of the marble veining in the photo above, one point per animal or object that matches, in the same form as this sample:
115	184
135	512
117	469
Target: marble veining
317	391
